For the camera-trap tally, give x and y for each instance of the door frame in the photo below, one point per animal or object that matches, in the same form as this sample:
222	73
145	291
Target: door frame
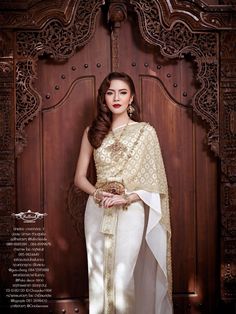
207	35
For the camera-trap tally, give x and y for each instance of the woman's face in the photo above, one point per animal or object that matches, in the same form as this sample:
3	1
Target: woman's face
118	97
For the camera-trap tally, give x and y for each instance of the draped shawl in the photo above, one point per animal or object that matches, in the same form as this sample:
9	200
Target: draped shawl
141	169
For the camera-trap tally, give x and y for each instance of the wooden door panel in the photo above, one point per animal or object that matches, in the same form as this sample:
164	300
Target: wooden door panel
60	140
207	223
192	175
165	90
176	134
68	90
28	171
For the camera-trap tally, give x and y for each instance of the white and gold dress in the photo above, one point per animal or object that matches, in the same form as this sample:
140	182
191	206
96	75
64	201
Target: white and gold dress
129	259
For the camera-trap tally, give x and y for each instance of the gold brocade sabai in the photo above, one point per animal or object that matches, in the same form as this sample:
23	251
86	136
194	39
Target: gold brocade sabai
138	167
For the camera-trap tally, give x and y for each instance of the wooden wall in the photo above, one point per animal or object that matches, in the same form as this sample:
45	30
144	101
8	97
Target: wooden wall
182	57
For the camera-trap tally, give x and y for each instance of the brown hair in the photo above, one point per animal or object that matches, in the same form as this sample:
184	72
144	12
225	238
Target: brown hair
102	123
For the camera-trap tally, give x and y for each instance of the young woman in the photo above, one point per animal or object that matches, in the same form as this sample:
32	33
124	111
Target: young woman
127	224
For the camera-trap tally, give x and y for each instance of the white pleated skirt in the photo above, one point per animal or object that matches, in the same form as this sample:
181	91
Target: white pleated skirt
129	235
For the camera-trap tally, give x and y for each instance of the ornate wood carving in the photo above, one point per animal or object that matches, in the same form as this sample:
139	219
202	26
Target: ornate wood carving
178	41
56	40
117	14
28	101
6	110
177	27
228	164
34	14
6	99
60	42
197	14
7	114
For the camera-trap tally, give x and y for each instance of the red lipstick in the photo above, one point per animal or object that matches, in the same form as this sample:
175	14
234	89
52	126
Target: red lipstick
116	105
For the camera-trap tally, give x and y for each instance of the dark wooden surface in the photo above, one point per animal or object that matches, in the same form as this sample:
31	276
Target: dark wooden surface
61	102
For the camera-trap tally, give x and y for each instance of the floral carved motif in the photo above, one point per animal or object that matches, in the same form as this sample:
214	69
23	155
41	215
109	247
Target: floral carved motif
35	13
228	163
7	167
5	68
57	40
199	14
178	41
229	271
6	136
228	98
7	172
28	101
7	206
224	20
6	105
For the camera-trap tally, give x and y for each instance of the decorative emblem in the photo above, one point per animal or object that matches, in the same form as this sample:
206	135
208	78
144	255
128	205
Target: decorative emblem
117	149
29	216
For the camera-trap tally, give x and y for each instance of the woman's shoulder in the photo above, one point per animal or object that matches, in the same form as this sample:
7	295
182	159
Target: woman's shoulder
85	132
146	126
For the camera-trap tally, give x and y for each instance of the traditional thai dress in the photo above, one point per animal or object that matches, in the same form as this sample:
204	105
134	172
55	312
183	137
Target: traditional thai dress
129	257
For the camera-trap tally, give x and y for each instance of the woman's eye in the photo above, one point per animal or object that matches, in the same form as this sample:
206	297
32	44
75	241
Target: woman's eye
109	93
123	93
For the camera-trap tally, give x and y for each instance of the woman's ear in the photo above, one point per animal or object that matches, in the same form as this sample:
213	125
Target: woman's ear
131	99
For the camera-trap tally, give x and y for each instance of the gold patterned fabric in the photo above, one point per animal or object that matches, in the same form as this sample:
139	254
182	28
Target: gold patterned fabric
143	170
140	168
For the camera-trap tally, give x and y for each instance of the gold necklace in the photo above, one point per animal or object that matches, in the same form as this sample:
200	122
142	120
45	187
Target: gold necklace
117	149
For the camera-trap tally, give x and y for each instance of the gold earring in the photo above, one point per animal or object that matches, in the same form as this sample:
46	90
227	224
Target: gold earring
130	110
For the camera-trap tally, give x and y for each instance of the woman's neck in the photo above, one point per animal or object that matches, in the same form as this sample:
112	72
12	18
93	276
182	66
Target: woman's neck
118	121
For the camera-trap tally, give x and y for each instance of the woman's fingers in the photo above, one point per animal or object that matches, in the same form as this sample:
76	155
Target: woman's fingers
108	202
107	194
114	200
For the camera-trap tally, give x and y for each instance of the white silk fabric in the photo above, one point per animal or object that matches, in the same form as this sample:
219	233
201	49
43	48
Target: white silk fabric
142	263
141	284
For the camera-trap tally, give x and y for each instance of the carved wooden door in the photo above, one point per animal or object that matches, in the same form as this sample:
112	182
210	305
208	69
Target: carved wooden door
68	90
166	89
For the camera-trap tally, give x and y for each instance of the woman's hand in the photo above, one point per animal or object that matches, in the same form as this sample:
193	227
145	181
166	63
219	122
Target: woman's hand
113	200
99	195
119	200
106	199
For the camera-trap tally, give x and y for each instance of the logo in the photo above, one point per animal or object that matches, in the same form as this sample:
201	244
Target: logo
29	216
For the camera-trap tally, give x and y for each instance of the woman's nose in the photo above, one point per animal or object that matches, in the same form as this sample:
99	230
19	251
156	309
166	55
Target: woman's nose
116	96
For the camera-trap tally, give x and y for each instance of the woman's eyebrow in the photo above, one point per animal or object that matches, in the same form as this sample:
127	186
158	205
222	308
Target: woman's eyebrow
119	89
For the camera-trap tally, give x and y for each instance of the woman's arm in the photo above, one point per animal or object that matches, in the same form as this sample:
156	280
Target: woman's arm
83	183
117	200
85	154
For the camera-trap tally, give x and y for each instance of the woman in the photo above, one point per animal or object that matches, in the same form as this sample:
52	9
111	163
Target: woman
127	225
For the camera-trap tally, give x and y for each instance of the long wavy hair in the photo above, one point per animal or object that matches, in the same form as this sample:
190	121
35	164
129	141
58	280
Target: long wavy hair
102	123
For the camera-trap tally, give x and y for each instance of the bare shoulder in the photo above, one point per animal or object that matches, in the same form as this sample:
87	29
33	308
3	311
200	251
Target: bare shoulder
85	139
86	129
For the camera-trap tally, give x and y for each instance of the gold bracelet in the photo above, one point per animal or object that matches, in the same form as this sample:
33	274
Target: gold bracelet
128	201
96	198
